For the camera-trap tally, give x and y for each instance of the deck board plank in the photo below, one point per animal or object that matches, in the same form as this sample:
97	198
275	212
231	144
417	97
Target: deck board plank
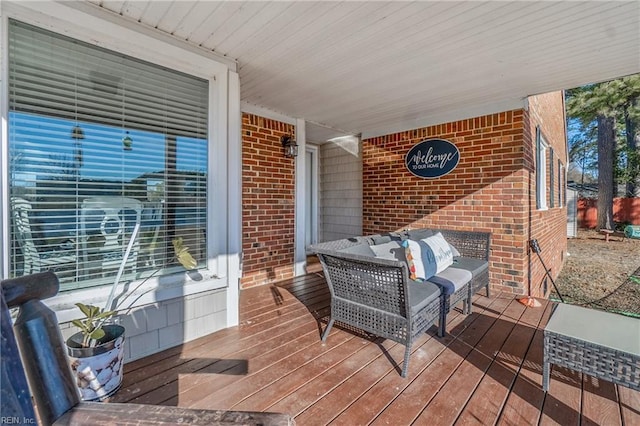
258	356
323	385
487	401
137	381
563	401
349	392
486	370
253	383
408	404
629	405
408	395
297	378
459	390
601	405
525	400
202	386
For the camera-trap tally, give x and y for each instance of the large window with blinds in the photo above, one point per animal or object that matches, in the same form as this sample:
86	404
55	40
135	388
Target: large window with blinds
108	161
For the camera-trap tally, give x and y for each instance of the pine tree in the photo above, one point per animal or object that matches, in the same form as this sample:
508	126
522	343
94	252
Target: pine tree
614	107
606	149
631	117
583	152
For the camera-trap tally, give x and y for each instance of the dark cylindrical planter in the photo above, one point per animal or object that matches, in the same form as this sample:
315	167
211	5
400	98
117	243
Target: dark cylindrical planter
98	369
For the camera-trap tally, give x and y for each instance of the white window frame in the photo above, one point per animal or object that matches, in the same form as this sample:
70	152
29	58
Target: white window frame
86	23
561	185
542	149
313	169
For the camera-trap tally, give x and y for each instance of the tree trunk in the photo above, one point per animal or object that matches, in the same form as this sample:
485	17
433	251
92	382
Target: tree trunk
633	160
606	149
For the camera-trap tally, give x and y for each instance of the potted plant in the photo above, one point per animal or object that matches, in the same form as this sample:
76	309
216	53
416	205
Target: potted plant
96	352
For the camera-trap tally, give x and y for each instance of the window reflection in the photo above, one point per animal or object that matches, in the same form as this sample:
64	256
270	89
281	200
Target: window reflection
54	171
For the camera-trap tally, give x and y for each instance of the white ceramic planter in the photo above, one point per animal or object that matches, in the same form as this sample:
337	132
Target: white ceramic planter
98	370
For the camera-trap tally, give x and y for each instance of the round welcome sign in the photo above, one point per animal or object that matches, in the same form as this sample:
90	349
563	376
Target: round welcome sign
432	158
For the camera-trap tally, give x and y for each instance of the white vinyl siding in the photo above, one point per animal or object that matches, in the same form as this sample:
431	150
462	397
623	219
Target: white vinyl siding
341	190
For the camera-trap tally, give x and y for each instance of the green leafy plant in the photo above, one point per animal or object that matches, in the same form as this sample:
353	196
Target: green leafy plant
94	317
91	325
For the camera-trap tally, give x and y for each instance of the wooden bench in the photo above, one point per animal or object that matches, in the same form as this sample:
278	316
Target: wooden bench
45	373
609	233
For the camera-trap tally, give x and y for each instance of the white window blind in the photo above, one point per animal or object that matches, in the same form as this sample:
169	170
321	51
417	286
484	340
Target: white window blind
101	144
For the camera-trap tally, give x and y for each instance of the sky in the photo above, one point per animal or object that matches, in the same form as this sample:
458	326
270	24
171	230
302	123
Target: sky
43	147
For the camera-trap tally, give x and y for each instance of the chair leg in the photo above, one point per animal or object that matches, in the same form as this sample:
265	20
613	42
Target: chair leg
545	375
327	330
405	365
442	324
488	295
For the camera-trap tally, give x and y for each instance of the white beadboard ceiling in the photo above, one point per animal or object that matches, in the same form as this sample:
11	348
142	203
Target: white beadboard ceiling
375	67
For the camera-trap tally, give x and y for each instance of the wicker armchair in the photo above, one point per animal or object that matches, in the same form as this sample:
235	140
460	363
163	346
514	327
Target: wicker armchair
375	295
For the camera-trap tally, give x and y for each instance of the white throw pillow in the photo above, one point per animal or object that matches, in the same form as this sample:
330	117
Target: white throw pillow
441	250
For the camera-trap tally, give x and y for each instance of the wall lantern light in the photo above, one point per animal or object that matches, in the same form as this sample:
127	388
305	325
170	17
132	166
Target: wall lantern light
127	142
290	146
77	133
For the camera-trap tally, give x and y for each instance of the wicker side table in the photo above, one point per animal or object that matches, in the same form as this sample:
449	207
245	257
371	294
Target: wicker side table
593	342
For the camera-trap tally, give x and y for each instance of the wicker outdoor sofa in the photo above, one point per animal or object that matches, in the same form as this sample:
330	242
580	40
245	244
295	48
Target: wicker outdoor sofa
374	292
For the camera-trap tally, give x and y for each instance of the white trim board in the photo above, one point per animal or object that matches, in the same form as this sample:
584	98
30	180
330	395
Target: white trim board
266	113
432	120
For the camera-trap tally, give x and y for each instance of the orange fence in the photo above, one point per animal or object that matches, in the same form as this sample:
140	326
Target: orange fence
625	210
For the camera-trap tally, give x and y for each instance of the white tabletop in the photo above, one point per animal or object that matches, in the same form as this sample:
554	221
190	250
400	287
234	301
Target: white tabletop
601	328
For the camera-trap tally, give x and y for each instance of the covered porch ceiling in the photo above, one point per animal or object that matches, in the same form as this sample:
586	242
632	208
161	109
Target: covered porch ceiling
376	67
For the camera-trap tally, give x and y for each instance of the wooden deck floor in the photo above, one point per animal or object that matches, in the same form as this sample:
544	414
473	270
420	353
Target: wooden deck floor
487	370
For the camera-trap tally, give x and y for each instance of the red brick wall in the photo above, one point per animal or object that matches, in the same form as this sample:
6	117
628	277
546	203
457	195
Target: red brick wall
268	194
490	190
549	227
